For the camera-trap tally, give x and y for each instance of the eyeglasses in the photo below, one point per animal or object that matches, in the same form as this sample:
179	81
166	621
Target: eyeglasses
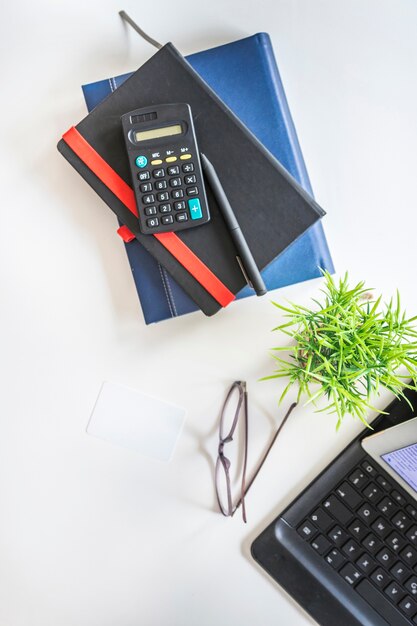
235	406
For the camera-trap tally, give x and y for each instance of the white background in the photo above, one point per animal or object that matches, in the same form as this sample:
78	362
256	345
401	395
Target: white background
95	535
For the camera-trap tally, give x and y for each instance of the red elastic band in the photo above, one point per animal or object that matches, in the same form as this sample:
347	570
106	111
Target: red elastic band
170	241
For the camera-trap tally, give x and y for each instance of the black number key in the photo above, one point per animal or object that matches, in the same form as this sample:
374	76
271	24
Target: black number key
367	513
148	199
399	499
348	495
175	182
411	510
321	519
338	510
401	521
160	184
387	506
350	573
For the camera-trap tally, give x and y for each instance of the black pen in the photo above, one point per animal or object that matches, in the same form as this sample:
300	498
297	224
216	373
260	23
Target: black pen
245	258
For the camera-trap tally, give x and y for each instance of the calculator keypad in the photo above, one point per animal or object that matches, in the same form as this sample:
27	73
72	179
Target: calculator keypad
169	193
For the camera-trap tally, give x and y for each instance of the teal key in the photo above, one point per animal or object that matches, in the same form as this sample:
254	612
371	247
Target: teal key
195	208
141	161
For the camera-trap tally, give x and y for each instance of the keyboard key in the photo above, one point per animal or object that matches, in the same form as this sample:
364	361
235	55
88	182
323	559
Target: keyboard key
369	468
187	168
395	541
387	506
165	208
399	571
144	175
181	217
321	519
338	536
366	563
348	495
400	520
177	194
411	585
409	556
383	482
167	219
152	222
358	478
394	592
160	184
145	187
411	535
338	510
399	499
378	601
367	513
381	527
321	544
192	191
174	170
386	557
190	180
148	199
358	529
175	182
150	210
372	492
179	206
351	549
411	510
408	606
371	543
159	173
163	196
335	558
380	577
350	573
307	530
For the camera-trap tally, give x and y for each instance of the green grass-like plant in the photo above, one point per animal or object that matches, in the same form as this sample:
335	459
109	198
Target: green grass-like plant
346	348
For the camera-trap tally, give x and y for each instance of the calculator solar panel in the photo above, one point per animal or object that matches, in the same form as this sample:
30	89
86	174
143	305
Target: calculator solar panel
346	548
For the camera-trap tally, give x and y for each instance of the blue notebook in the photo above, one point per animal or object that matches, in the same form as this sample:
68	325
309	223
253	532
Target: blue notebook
245	76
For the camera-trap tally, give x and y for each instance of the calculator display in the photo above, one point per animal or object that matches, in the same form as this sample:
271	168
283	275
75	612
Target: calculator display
156	133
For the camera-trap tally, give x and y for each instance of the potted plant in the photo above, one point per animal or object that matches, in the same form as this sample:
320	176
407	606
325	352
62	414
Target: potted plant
345	348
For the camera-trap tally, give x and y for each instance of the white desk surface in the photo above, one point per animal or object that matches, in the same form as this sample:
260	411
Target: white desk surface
92	534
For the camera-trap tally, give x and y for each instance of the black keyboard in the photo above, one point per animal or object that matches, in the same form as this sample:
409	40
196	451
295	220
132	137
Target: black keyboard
365	529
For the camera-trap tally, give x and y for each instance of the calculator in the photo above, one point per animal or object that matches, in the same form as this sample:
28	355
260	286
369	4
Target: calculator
165	166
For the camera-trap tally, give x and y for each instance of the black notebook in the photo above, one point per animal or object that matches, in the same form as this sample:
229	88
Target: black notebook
272	208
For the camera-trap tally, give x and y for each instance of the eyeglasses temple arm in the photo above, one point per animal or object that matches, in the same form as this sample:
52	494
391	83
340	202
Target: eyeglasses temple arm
250	483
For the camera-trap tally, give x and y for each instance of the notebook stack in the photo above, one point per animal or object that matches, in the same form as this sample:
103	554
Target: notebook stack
244	125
